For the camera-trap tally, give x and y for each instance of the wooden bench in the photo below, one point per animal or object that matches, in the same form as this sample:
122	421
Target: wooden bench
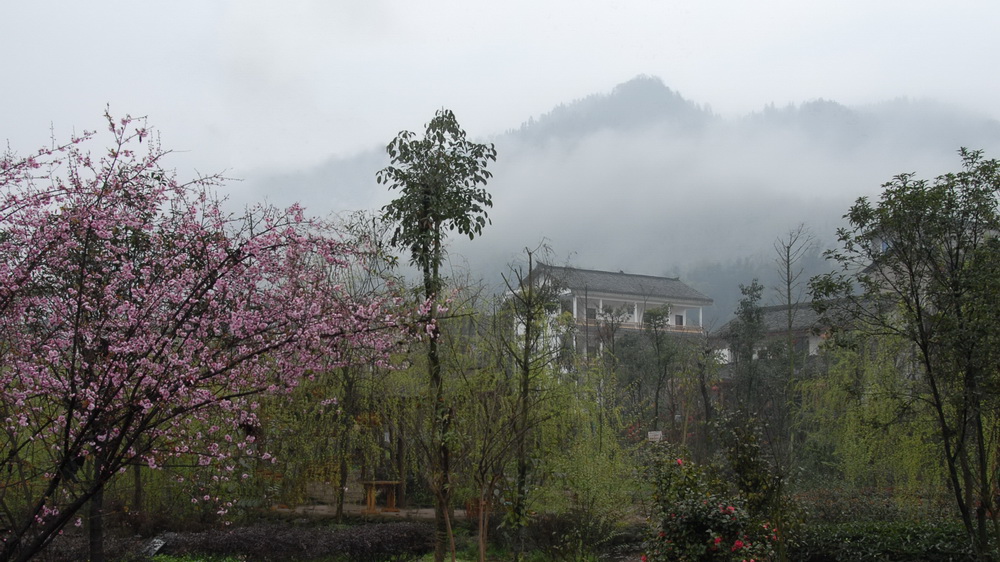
371	486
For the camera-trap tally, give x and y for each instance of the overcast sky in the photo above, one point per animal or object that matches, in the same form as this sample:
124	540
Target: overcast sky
242	85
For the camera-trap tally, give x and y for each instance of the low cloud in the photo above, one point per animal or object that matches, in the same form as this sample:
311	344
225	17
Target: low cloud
647	182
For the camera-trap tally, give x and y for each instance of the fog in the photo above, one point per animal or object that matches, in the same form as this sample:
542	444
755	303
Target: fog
643	180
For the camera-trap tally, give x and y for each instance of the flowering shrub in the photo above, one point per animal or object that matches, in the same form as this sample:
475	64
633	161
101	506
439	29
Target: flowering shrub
696	518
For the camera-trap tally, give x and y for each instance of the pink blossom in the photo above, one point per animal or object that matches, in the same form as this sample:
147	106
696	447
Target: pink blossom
129	294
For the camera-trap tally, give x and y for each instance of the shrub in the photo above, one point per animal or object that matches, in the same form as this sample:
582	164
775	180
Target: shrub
883	541
571	535
391	541
588	499
72	546
753	468
696	517
365	543
845	504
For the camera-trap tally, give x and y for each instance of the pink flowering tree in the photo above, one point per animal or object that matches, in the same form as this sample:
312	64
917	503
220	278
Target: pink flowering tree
138	321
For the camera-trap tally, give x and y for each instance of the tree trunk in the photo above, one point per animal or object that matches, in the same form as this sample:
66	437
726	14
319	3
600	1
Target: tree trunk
138	513
401	459
442	476
706	439
451	535
482	520
524	388
350	410
341	484
95	522
656	403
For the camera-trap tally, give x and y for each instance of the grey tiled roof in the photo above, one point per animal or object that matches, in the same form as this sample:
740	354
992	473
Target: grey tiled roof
775	319
804	317
621	283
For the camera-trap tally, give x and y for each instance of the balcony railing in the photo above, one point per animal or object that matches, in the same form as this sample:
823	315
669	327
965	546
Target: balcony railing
595	324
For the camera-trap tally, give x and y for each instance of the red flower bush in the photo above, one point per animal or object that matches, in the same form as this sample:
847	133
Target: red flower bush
697	518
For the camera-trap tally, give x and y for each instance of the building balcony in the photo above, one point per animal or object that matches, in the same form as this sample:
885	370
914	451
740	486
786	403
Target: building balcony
672	328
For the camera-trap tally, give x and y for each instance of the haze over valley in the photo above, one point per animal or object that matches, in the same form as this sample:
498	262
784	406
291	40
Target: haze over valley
642	179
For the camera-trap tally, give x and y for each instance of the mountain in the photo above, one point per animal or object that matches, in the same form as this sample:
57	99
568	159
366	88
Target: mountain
643	180
638	104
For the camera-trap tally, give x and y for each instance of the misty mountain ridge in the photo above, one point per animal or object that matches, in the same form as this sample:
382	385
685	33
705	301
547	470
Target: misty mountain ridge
643	180
640	103
915	124
645	103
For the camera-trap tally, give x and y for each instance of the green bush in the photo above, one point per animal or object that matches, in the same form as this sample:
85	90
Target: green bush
365	543
571	535
588	500
882	541
835	503
696	517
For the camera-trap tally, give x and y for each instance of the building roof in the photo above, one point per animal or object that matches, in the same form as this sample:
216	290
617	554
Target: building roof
804	317
775	319
621	283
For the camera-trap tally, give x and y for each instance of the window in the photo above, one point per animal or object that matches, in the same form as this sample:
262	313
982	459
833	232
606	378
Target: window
679	320
591	314
801	345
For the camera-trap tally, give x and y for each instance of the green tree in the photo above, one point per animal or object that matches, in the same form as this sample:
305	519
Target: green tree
487	411
531	349
923	264
755	435
440	179
788	355
868	426
663	376
746	340
585	474
655	323
489	438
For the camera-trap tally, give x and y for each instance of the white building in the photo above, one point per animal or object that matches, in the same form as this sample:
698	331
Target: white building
808	330
597	298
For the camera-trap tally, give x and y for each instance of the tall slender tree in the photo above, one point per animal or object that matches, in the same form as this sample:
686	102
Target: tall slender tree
746	337
440	178
532	304
655	323
790	250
